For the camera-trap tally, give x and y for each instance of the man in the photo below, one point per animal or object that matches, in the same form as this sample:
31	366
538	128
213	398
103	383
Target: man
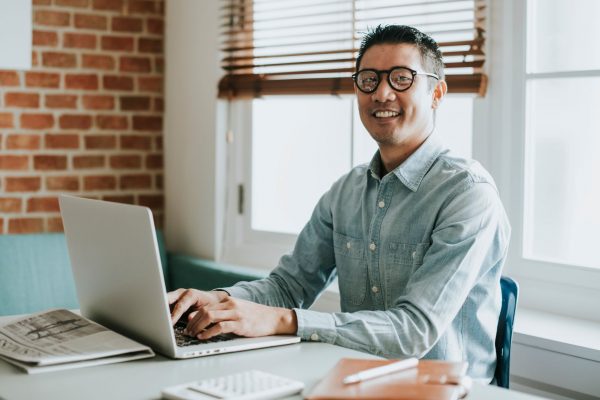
417	238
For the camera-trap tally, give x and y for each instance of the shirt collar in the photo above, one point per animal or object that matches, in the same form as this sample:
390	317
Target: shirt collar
412	171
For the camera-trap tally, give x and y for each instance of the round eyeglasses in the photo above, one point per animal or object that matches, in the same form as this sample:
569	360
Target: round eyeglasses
399	78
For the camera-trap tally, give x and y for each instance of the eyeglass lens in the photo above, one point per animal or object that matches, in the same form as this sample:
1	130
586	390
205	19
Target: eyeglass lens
399	78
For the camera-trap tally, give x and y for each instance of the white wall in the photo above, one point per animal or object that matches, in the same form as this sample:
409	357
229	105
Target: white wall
15	34
192	211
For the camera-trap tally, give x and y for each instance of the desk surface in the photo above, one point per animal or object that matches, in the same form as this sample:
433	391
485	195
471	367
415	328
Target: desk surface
144	379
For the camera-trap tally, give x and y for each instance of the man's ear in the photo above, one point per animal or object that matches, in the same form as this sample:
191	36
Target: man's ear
439	92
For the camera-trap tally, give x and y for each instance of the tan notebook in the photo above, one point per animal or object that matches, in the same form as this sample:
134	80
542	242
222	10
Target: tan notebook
431	380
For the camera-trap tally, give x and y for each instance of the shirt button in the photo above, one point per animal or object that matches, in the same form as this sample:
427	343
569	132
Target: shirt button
314	337
348	245
372	247
381	204
375	289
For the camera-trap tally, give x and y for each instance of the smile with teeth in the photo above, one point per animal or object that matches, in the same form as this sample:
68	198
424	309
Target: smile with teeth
386	114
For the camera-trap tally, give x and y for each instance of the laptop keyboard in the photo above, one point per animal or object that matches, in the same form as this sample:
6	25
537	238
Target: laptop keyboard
183	340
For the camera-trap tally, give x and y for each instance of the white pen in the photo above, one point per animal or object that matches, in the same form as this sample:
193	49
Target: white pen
383	370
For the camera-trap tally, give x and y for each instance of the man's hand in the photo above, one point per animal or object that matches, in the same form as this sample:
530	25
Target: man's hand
214	313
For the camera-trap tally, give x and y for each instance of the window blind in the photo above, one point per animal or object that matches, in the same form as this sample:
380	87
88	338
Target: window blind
275	47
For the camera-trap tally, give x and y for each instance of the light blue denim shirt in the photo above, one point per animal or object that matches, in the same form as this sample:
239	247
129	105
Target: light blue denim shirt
418	254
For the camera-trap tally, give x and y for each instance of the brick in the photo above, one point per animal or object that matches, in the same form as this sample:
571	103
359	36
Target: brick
154	161
68	183
153	201
55	225
1	226
42	204
111	122
81	81
61	101
145	123
124	24
117	43
98	102
9	78
112	82
159	104
59	60
13	162
126	162
52	18
108	5
144	7
34	59
72	3
150	84
106	63
130	142
62	141
10	205
100	142
74	121
23	100
159	142
127	199
138	181
79	40
155	26
23	184
42	79
87	162
37	121
158	181
90	21
42	2
25	225
134	103
45	38
104	182
135	64
23	142
45	162
159	65
146	45
6	120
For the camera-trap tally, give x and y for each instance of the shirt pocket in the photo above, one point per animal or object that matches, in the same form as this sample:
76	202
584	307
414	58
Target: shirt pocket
402	261
351	268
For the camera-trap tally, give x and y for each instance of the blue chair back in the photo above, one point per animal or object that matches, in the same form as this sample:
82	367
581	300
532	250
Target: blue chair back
510	292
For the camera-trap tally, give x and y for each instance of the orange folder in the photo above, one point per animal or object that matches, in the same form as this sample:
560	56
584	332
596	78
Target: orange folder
431	380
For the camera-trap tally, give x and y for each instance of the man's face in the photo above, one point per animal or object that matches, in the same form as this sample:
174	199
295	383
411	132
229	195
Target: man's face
396	118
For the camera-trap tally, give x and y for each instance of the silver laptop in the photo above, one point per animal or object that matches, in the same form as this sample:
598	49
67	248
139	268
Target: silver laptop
119	278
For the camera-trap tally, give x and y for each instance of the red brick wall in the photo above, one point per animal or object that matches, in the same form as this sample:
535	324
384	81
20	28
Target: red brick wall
87	118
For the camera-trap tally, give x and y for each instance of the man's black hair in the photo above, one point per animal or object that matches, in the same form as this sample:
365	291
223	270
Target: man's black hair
431	56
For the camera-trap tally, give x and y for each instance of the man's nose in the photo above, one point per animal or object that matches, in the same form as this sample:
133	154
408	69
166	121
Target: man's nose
384	92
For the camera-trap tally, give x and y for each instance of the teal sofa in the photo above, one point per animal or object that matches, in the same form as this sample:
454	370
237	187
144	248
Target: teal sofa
35	273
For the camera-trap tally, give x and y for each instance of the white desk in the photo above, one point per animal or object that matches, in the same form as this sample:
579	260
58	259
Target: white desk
144	379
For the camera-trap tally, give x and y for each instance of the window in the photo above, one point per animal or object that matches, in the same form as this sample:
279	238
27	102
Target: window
540	132
562	191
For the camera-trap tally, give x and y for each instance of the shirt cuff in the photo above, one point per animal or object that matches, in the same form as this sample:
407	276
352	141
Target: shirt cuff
315	326
236	292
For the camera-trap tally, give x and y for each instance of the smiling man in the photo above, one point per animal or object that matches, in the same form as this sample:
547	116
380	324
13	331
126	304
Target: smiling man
417	238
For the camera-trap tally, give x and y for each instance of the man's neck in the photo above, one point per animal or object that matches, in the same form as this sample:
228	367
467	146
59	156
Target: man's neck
392	155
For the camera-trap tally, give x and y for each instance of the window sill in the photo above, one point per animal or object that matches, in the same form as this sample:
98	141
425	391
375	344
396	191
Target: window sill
560	334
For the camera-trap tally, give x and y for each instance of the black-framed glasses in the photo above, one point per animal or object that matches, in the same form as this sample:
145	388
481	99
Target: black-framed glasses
399	78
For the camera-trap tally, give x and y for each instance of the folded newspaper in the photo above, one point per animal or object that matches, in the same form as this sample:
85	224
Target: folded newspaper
60	339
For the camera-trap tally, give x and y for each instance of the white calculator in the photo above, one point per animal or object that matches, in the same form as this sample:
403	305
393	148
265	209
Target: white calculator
247	385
